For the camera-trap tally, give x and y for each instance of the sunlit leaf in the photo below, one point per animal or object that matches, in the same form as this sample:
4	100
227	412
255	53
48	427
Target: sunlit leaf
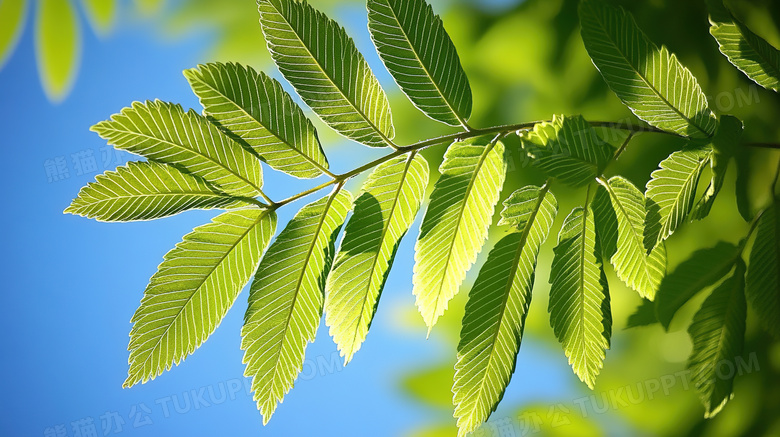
634	266
747	51
146	191
671	190
579	306
606	223
57	46
763	275
383	212
498	303
256	108
567	149
422	59
286	297
702	269
13	15
718	334
648	79
164	132
456	222
322	63
194	287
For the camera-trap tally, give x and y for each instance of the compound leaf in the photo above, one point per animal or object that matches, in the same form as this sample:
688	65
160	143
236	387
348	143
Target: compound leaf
497	307
286	297
456	222
579	305
650	81
163	132
322	63
718	334
194	287
146	191
383	212
421	57
255	108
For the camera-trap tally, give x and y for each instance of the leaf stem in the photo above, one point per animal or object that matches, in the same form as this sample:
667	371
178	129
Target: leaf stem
473	133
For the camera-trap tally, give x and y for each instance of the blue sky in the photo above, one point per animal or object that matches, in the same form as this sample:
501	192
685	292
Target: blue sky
72	284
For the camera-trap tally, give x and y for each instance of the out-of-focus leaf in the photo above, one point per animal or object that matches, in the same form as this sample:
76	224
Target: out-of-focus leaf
644	315
101	14
724	147
702	269
57	46
763	276
13	14
718	334
148	7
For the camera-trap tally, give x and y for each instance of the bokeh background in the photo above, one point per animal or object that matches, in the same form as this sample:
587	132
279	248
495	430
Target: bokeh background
71	285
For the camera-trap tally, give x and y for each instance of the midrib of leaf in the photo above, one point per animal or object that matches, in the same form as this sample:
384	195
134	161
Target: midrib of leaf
309	251
638	239
581	310
276	134
425	69
644	79
382	240
200	285
319	67
469	187
206	157
757	49
515	264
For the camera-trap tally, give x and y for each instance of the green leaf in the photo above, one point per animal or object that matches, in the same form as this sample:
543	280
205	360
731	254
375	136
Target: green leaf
101	14
497	307
650	81
724	147
634	266
146	191
718	334
643	316
606	223
763	275
148	7
255	108
579	306
704	268
194	287
747	51
671	190
57	47
415	48
567	149
163	132
456	222
13	15
285	300
322	63
383	212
